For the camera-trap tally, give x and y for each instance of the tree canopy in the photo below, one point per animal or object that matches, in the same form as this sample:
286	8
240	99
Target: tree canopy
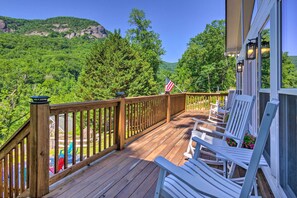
114	66
145	40
203	67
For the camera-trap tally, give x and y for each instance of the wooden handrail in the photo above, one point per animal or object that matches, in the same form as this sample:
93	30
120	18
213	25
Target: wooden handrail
208	94
19	135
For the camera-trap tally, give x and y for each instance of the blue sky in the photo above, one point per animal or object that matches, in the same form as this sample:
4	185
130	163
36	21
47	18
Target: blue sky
175	20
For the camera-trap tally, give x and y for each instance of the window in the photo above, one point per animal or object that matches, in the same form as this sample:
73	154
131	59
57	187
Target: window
265	56
289	44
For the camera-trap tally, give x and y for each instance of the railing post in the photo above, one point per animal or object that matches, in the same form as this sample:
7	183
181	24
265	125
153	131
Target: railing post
39	146
185	103
121	117
168	107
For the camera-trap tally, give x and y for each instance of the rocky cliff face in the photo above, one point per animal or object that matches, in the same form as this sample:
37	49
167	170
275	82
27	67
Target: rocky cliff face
67	27
95	31
3	26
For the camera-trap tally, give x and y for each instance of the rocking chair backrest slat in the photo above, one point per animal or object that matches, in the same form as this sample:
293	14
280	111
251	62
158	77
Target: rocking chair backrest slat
230	99
239	115
264	130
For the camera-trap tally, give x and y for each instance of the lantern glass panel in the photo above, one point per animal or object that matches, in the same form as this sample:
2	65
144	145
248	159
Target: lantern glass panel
251	51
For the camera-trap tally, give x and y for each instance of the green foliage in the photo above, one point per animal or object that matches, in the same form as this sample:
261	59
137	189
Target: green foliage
113	66
165	70
294	60
203	67
289	71
34	65
145	40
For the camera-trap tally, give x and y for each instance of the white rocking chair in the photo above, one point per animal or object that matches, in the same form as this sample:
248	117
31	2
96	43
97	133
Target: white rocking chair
235	129
218	113
197	179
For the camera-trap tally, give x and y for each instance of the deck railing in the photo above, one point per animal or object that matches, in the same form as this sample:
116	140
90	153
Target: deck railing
61	139
202	101
14	163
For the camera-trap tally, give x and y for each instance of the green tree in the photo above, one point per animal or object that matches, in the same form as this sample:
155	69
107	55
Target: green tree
115	66
145	40
203	67
289	72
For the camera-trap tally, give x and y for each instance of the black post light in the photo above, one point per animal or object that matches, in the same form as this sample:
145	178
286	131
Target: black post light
240	65
251	48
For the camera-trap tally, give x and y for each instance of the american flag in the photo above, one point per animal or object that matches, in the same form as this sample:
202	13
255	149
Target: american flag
169	86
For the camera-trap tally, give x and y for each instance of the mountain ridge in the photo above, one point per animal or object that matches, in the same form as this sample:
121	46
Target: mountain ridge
62	26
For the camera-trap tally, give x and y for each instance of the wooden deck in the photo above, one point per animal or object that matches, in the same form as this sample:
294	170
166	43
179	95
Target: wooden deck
132	172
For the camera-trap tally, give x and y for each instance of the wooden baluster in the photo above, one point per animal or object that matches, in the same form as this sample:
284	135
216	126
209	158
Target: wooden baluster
1	178
88	133
142	116
99	130
146	114
105	142
154	112
65	140
6	176
56	142
28	153
94	131
115	124
11	174
137	118
74	138
22	145
109	124
134	120
128	132
16	170
81	136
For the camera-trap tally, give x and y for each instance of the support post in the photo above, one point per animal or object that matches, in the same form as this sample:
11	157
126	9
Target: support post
39	146
121	117
185	103
168	107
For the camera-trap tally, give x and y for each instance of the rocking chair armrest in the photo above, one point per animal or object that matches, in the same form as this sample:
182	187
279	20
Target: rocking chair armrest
185	177
217	150
208	123
224	135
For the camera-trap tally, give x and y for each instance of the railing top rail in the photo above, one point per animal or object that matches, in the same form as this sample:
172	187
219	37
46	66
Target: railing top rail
20	134
208	94
142	98
77	106
177	94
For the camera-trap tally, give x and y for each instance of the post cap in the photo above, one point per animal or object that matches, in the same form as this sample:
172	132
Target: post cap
120	94
40	99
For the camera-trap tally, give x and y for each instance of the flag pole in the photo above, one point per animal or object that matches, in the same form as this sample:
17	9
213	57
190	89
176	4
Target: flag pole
178	88
174	85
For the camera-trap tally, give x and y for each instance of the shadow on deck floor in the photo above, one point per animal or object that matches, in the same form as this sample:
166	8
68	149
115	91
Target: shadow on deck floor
132	172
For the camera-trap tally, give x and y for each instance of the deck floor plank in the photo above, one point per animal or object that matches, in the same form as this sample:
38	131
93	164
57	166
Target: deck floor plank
132	172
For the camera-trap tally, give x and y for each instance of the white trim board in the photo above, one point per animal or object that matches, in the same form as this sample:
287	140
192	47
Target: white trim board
288	91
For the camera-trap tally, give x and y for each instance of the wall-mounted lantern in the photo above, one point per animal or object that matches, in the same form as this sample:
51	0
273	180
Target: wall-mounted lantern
251	48
240	65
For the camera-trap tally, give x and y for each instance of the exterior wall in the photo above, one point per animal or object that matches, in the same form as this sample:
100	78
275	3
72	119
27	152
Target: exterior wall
275	147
